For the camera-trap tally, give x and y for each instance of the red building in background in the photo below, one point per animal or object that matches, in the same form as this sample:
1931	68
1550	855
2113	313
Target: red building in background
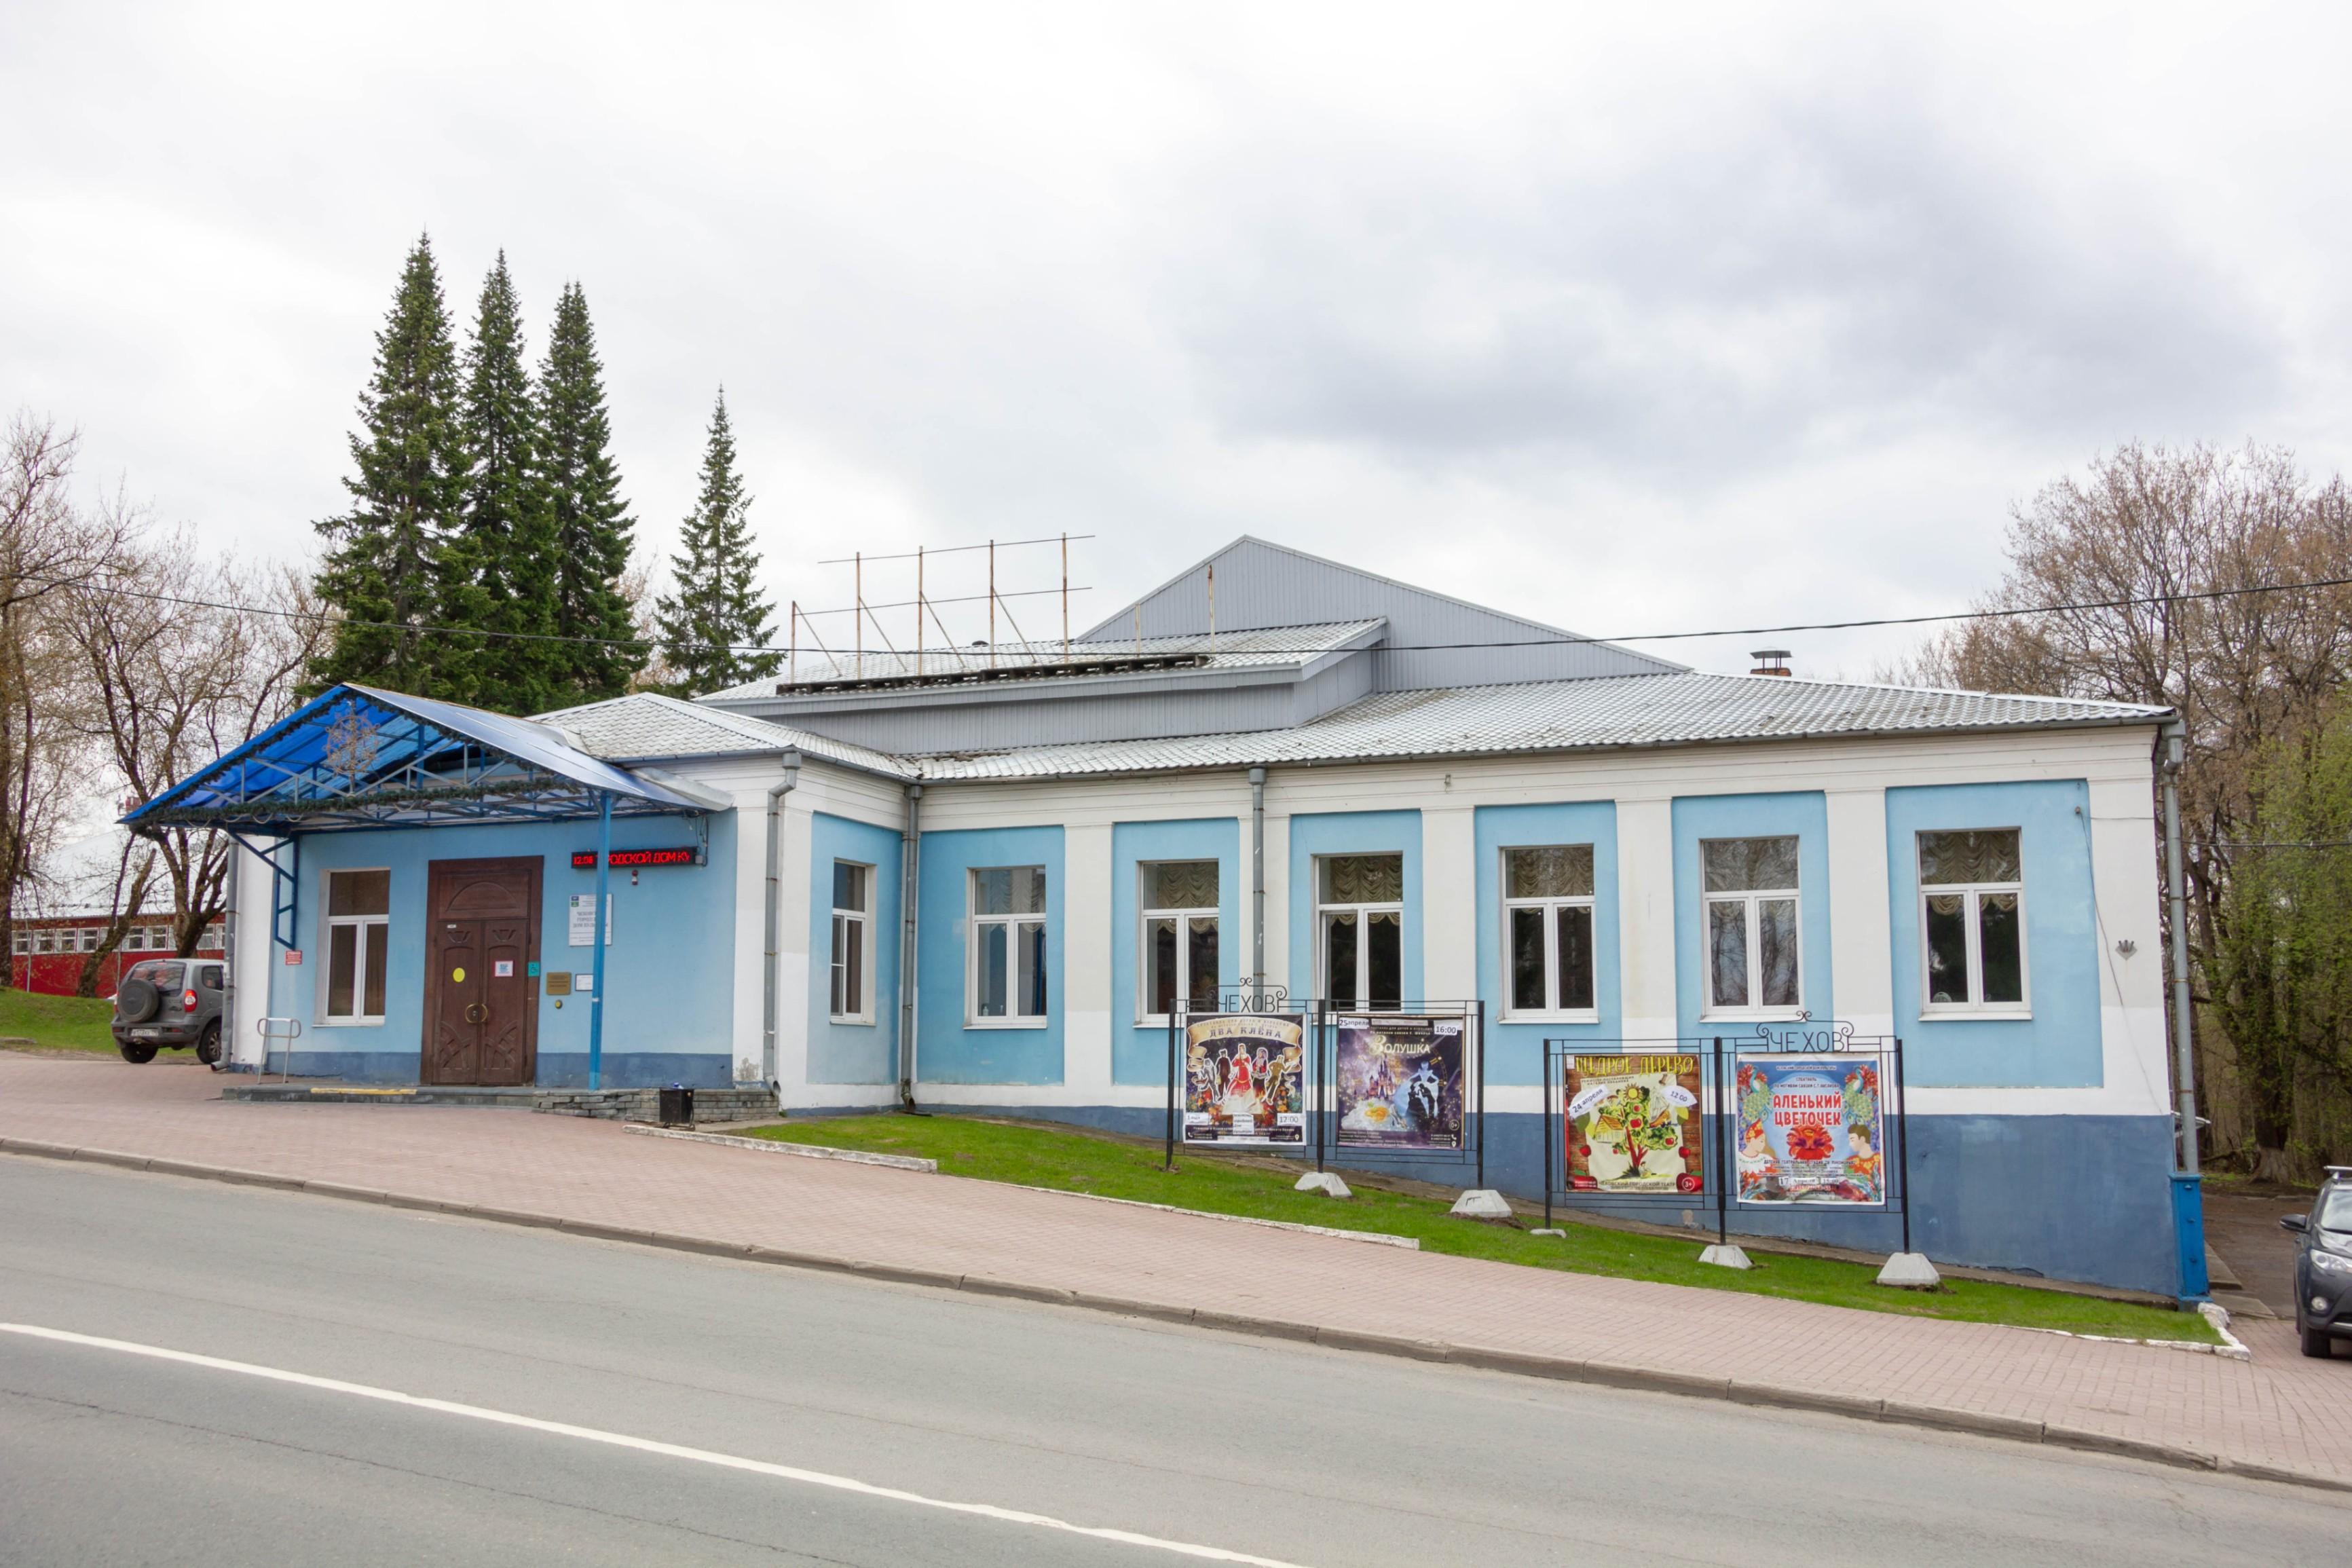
52	948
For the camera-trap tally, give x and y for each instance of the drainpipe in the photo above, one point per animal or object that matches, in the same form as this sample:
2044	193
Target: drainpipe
229	1037
774	903
1258	880
2175	889
910	861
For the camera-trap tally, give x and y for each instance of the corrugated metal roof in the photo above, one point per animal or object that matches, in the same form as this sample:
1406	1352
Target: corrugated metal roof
1267	647
1560	716
1599	713
645	727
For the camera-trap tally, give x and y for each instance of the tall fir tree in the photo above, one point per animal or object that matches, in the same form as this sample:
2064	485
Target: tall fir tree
716	610
389	568
591	529
505	543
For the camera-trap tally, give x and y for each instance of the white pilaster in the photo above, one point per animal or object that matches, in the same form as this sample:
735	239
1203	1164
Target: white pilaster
1646	919
1278	903
795	934
1449	904
1086	956
751	930
1860	928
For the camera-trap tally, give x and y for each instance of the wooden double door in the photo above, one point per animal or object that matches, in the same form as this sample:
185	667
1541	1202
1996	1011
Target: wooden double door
481	986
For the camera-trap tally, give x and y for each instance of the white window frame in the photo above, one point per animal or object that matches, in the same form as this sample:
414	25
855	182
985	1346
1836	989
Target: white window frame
862	919
2021	1008
974	924
360	949
1750	898
1363	998
1551	1012
1146	914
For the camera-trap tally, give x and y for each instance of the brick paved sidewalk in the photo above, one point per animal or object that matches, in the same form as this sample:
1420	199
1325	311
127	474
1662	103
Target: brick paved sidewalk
2279	1412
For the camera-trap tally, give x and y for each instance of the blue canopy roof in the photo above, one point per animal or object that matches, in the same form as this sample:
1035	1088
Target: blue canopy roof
355	757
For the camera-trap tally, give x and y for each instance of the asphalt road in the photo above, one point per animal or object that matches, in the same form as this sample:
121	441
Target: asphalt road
1189	1439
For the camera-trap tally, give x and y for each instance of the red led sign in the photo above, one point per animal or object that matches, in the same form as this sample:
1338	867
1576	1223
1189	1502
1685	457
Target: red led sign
632	860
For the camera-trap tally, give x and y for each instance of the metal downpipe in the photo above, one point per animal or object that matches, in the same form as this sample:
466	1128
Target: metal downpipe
775	893
1257	878
2176	891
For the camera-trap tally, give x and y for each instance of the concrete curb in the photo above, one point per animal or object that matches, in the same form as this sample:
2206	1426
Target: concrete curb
778	1146
1482	1358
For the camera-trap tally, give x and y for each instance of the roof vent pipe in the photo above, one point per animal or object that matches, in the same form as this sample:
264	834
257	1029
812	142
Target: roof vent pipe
1770	661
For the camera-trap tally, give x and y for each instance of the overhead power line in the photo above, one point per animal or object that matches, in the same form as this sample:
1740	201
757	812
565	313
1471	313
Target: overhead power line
1561	640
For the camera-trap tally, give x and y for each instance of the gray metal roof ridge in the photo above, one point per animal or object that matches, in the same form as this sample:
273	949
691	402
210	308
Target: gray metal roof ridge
1292	550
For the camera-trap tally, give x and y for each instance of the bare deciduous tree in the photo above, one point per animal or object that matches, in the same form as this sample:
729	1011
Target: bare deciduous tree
48	547
181	671
2248	672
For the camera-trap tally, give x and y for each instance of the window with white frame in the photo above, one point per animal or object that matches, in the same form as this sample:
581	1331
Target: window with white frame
358	905
1752	961
1972	922
24	940
1360	926
853	939
1547	930
1180	938
1007	983
45	941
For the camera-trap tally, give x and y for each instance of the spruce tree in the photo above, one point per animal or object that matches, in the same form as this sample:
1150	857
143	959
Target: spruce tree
506	542
388	568
590	525
715	611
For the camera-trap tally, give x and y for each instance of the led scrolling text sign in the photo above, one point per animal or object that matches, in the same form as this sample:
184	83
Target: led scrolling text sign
636	860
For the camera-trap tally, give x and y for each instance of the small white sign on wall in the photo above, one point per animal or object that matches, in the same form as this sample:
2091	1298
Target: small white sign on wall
584	919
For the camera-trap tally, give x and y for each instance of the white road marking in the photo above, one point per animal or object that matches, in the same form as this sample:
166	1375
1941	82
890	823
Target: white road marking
647	1445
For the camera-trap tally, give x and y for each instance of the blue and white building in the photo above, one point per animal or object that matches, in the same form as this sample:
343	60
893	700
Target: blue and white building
978	881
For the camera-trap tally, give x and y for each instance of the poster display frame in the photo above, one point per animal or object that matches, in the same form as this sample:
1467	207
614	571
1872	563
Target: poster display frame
1321	1019
1719	1057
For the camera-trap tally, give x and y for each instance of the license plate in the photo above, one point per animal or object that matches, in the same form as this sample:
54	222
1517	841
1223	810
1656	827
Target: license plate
144	1034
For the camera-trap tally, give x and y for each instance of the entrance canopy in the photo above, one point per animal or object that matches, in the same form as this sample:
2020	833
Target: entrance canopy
355	757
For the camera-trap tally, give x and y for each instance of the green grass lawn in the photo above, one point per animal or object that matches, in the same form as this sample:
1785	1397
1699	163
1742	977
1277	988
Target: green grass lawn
1074	1160
59	1023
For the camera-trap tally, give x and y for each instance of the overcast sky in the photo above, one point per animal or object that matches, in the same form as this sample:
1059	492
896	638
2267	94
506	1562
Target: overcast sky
1628	319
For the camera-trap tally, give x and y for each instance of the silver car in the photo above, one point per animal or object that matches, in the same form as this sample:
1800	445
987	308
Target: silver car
169	1003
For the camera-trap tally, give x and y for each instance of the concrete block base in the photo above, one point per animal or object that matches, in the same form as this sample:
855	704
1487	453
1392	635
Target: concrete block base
1482	1203
1910	1271
1327	1183
1726	1256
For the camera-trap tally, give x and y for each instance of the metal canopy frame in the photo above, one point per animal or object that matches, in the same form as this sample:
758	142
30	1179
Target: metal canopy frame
355	758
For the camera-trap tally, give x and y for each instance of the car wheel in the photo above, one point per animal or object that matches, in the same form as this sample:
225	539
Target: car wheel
2314	1341
208	1045
136	1051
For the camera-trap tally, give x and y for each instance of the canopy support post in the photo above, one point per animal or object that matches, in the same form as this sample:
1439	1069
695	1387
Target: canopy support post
600	932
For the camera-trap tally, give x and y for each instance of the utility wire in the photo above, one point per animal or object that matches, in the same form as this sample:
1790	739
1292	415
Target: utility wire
1564	640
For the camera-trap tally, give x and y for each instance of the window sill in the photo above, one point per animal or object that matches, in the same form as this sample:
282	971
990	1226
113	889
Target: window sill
1976	1015
349	1024
1030	1023
1756	1015
850	1020
1590	1015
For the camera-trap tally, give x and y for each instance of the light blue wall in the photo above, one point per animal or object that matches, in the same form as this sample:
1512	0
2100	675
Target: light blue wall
1139	1055
669	973
946	1051
1697	817
853	1053
1515	1051
1353	832
2058	1047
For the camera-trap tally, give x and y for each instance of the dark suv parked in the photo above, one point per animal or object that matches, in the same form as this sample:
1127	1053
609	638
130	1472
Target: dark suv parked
168	1001
2323	1264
